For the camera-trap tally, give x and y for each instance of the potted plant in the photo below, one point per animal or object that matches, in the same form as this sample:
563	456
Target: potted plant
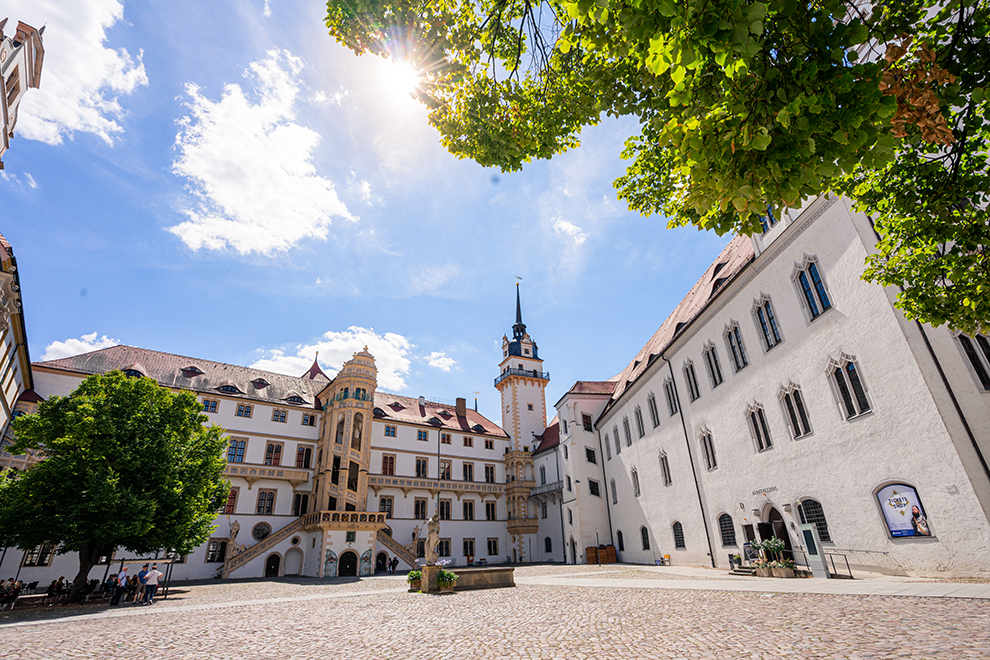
783	568
761	565
414	578
446	580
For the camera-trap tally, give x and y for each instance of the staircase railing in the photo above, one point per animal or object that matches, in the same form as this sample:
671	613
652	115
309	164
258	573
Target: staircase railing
231	564
397	548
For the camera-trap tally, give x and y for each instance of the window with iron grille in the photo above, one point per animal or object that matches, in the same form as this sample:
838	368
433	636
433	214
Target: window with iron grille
235	453
815	297
711	363
768	323
665	470
231	505
273	453
758	427
736	349
796	413
691	380
304	455
727	529
645	535
850	389
590	455
266	502
651	402
678	535
810	512
979	359
594	488
708	450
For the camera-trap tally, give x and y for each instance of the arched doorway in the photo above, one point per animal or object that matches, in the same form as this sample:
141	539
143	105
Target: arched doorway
272	565
381	563
347	567
775	527
293	561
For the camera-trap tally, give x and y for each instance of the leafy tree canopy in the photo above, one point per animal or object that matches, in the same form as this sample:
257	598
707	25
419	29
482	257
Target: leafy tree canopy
742	105
126	464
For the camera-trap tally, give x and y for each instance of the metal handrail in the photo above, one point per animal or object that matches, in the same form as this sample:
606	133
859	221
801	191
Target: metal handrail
528	373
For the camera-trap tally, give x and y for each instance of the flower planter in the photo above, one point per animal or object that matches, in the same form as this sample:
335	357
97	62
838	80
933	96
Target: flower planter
446	588
783	572
763	571
415	585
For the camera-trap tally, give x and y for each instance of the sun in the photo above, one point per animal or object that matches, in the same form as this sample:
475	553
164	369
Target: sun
401	78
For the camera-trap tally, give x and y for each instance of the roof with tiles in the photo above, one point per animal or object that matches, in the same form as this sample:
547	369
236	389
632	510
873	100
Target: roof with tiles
197	375
438	415
550	438
736	255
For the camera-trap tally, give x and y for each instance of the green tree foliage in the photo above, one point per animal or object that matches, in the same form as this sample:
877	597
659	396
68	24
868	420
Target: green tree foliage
742	105
126	464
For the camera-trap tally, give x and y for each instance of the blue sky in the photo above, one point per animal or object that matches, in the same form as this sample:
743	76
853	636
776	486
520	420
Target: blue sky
222	180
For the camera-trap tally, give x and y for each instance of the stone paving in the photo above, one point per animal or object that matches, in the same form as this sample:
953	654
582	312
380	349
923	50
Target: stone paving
372	618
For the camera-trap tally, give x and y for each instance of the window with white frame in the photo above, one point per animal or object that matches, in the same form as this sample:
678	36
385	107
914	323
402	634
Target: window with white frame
794	411
712	365
665	469
638	414
816	298
767	322
977	351
848	385
708	450
691	380
651	401
758	427
733	338
668	390
635	482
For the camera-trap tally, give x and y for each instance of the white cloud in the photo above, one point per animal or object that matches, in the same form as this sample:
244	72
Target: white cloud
268	8
432	279
561	226
85	344
322	98
393	355
440	360
82	78
30	180
249	166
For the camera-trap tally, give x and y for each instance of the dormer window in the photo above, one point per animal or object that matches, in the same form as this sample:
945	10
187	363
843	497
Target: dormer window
191	371
525	351
228	389
378	412
260	383
296	399
478	428
435	422
133	373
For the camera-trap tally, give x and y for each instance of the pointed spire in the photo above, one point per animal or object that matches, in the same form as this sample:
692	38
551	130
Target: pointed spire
315	369
519	328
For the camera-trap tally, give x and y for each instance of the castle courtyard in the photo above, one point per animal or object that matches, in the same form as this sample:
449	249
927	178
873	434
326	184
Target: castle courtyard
572	612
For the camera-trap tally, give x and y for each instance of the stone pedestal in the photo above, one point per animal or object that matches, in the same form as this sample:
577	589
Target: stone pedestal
430	575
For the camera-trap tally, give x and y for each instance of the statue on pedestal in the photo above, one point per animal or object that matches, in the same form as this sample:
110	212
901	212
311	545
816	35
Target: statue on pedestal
433	539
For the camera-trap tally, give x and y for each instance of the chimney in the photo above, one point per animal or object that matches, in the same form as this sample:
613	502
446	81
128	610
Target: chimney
461	407
422	401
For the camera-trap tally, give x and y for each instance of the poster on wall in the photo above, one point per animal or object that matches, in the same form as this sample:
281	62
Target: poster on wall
903	511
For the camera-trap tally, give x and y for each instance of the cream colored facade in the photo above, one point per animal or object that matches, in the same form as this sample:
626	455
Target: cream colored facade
21	59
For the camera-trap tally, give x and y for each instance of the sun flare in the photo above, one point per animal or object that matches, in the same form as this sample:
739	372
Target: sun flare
402	78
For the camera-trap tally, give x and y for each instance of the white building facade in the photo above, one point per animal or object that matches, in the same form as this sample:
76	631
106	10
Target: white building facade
785	390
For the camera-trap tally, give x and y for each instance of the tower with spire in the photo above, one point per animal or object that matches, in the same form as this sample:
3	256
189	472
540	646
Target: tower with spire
522	384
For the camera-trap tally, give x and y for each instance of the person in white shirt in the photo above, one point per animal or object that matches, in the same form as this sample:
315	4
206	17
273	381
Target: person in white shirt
151	586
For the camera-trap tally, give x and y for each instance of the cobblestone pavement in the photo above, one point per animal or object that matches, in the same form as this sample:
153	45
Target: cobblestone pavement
370	619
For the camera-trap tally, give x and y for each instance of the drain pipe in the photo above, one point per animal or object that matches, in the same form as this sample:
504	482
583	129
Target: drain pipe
694	473
608	492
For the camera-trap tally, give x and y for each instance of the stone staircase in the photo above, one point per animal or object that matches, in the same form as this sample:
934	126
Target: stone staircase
241	558
397	548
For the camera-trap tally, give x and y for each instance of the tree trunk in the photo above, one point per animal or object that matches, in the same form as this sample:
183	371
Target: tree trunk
88	556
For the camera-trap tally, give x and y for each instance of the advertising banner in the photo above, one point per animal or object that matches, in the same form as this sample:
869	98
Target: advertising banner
903	512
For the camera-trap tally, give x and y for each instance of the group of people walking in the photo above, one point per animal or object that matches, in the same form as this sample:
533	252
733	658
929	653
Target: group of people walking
144	585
